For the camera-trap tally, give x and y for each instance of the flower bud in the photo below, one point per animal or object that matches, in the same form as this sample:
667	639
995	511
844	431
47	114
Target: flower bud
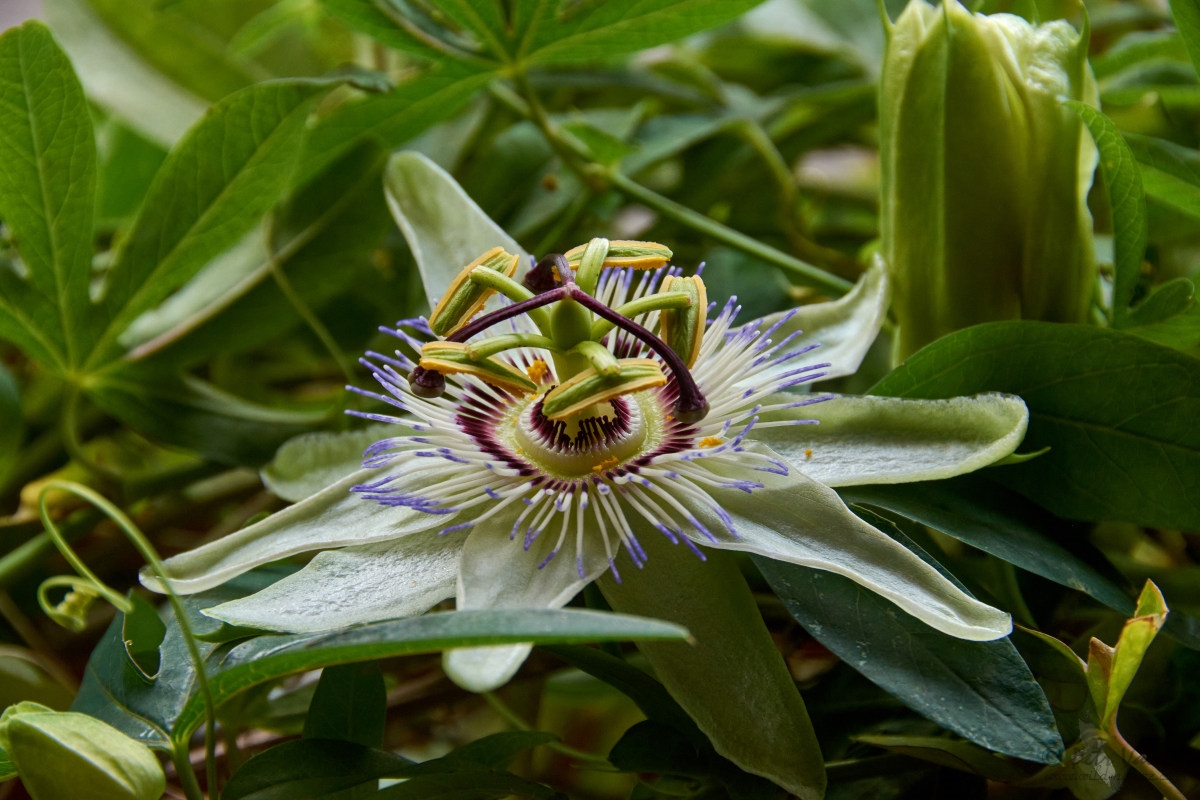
61	754
985	171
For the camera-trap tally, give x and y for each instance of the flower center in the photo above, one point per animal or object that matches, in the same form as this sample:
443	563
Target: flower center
609	435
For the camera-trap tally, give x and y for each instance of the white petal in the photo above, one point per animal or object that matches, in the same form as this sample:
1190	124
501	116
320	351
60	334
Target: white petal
444	227
306	464
334	517
860	440
845	327
797	520
354	585
497	572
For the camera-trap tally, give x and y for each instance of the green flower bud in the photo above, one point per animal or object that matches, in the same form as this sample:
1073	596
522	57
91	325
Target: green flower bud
985	171
66	754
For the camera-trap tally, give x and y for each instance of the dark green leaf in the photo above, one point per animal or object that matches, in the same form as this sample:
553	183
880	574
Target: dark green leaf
649	695
554	32
47	193
988	516
394	118
1123	180
1187	20
228	171
1172	298
651	746
952	753
142	632
310	768
491	752
350	705
1116	411
7	768
267	657
466	786
11	430
189	413
1170	172
980	690
128	164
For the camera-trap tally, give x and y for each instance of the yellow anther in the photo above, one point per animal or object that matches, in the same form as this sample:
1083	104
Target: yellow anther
464	299
538	371
711	441
624	253
808	453
453	357
683	328
605	465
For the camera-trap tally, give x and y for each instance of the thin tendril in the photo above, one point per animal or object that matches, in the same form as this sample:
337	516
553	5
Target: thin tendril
91	582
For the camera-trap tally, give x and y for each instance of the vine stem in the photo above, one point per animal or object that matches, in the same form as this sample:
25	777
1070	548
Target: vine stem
514	719
577	159
137	538
1136	760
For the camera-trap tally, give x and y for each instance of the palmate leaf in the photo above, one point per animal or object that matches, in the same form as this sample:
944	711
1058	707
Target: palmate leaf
47	195
1117	412
980	690
556	32
229	170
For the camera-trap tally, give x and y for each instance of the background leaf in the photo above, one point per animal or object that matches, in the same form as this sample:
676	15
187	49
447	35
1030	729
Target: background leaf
1114	409
1123	180
47	193
350	705
1187	20
191	213
980	690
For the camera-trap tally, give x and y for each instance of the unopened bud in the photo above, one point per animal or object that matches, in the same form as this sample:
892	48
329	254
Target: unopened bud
985	171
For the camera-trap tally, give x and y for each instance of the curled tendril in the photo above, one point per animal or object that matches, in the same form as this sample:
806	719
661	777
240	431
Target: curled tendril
85	587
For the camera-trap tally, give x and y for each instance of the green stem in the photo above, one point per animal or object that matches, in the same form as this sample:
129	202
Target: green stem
147	551
72	443
513	291
1159	781
591	173
514	719
183	768
507	341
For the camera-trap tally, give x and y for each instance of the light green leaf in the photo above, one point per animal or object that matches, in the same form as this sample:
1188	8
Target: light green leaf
368	17
312	461
119	80
1123	180
1187	20
11	431
872	440
349	705
47	196
980	690
1136	636
1170	172
552	33
1138	48
321	240
1115	410
215	185
186	53
730	678
394	118
444	227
